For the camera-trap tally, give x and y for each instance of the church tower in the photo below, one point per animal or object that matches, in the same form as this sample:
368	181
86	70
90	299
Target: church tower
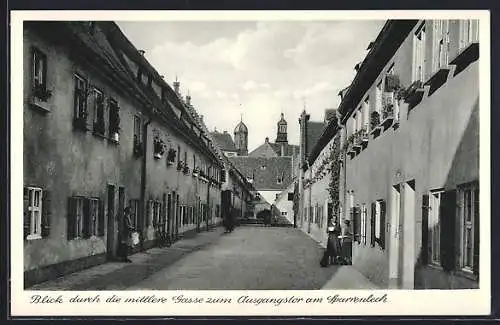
241	138
281	136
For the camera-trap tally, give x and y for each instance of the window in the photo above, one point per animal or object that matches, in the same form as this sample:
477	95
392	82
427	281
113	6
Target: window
39	71
469	206
262	167
280	178
114	117
156	213
138	135
366	110
93	217
363	224
134	210
434	226
33	212
80	109
469	32
75	218
283	213
441	44
359	119
98	97
419	53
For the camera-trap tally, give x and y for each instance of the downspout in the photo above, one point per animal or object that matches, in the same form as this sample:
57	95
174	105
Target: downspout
143	231
209	208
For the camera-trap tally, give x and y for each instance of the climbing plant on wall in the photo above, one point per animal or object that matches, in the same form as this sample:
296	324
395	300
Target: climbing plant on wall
333	186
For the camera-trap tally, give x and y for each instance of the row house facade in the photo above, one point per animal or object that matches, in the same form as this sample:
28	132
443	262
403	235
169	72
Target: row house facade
103	131
409	179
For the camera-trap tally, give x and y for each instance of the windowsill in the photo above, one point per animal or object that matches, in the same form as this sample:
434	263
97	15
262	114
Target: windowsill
40	105
34	237
99	134
465	56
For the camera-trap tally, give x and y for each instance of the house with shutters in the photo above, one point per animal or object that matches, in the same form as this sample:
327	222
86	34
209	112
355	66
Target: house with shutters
409	151
102	131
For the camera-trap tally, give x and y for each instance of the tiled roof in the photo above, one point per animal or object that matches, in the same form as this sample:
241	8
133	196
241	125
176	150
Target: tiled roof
289	149
265	178
264	150
314	131
224	141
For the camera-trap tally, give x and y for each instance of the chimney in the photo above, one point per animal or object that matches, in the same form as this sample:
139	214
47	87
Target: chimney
188	100
141	52
225	131
267	139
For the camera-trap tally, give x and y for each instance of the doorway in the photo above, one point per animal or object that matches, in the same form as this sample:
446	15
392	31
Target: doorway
111	241
394	251
408	242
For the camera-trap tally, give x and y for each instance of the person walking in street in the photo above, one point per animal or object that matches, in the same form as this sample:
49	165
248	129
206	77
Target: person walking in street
126	234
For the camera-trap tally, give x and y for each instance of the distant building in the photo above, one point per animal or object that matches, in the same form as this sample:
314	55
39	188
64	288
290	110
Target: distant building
225	143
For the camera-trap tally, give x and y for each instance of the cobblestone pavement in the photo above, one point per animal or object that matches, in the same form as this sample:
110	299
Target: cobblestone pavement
249	258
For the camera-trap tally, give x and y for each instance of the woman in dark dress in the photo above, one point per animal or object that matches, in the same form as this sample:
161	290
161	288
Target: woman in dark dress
333	246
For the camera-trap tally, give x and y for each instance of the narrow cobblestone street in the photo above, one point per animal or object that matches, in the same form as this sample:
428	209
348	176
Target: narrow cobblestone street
250	258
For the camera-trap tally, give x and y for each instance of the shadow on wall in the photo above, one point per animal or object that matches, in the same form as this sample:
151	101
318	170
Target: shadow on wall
446	273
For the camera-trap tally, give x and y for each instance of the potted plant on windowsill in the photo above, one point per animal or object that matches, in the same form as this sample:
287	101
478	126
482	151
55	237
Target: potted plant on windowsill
179	165
196	172
185	169
158	148
114	125
171	157
41	93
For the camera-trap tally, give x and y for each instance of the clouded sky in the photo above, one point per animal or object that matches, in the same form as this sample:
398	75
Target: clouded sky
258	69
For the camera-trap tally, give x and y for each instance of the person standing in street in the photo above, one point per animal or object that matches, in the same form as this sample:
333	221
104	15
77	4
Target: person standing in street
127	230
347	242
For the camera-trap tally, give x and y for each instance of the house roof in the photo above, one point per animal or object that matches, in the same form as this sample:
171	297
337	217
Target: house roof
264	150
265	171
224	141
313	134
289	149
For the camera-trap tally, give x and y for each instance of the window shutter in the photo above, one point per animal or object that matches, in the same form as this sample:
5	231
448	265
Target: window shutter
27	213
46	212
476	233
44	73
87	218
101	219
424	255
447	215
373	218
71	218
382	224
149	211
357	225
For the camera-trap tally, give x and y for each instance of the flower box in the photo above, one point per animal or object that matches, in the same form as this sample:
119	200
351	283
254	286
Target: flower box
171	156
185	169
42	93
180	165
158	148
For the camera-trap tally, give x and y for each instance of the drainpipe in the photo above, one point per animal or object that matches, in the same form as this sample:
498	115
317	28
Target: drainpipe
310	191
208	194
143	182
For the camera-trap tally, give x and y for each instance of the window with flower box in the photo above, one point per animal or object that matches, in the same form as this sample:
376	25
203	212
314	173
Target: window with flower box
114	120
40	93
441	44
419	53
468	32
80	103
99	124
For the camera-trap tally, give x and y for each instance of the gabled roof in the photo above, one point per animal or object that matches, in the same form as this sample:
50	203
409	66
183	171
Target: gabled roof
224	141
264	150
265	171
313	134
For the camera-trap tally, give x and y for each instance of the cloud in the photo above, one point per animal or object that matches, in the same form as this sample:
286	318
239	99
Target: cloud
267	67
